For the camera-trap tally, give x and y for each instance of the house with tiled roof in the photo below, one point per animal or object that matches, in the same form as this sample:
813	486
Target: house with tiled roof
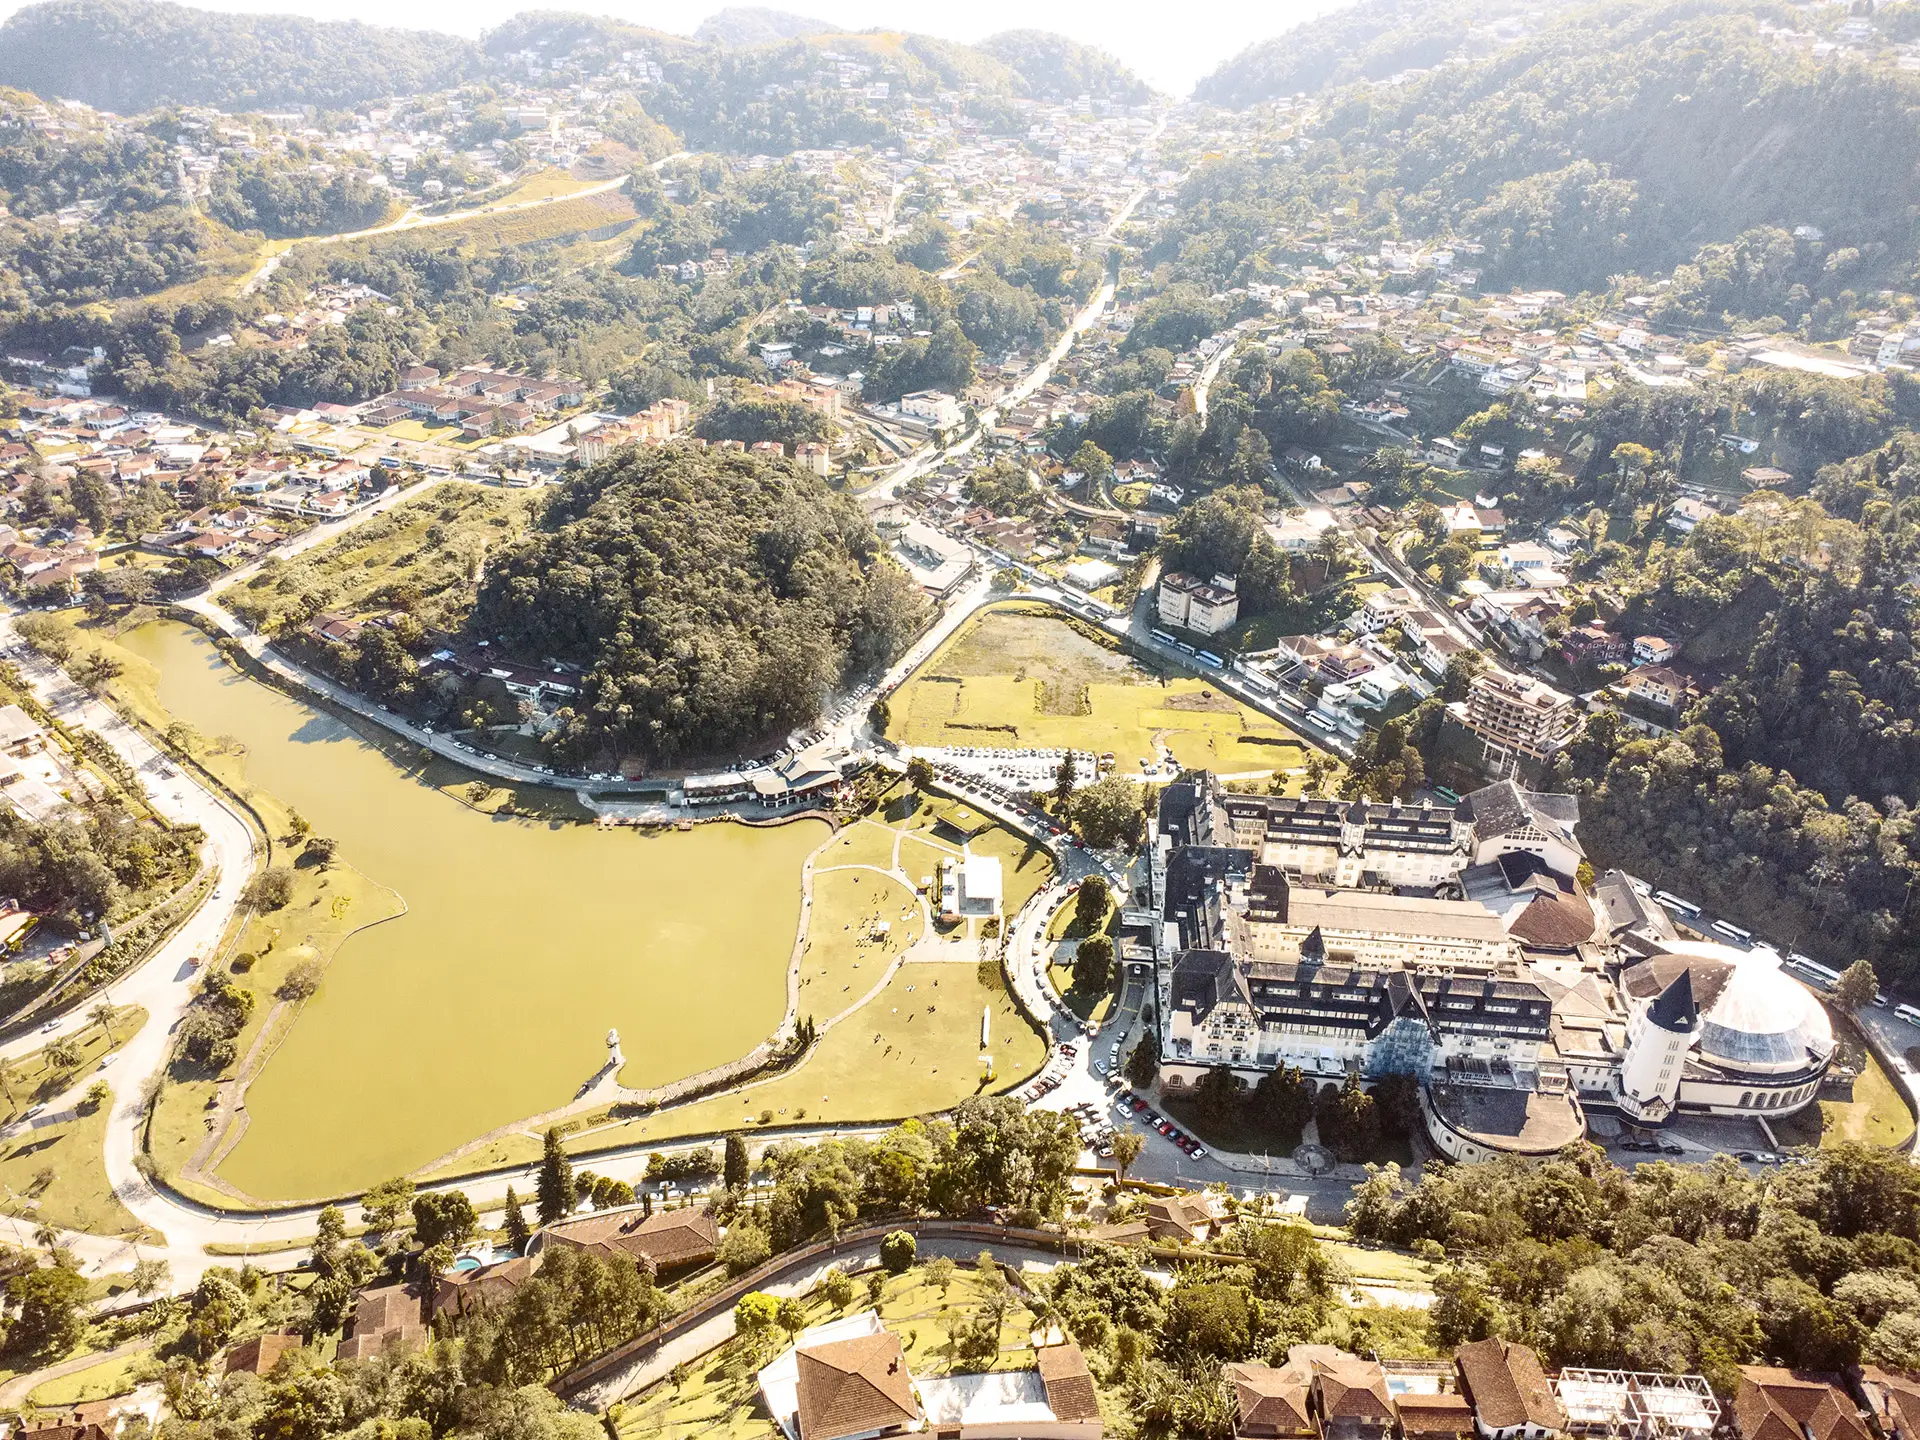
1508	1390
1776	1404
1179	1218
386	1319
668	1239
1272	1403
1349	1396
260	1353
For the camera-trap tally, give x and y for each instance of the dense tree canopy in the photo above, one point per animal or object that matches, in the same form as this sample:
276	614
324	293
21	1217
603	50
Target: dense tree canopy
711	599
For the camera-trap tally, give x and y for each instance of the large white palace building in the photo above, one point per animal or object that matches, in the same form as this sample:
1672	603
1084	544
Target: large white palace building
1458	945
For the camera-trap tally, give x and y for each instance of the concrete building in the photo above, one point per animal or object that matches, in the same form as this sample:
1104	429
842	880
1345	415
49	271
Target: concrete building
1517	719
1206	607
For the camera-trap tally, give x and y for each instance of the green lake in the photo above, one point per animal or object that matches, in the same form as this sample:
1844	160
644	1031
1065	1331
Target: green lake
524	941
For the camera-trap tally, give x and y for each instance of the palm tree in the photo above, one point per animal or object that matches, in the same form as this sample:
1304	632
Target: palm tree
102	1015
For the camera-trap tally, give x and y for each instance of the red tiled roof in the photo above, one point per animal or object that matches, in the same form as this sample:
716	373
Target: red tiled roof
851	1386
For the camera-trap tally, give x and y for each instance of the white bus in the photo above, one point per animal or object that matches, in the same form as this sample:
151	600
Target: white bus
1908	1014
1733	932
1813	970
1674	902
1208	658
1162	636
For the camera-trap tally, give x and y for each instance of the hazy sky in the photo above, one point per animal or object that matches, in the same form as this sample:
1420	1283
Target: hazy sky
1167	44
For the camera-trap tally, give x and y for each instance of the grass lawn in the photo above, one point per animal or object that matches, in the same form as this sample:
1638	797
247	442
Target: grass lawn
1395	1267
866	842
1875	1115
96	1382
1024	866
34	1078
1094	1005
843	958
913	1049
920	858
1014	677
549	184
55	1175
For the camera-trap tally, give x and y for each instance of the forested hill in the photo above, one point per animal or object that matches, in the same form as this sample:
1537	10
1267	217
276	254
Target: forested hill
741	25
1369	41
714	600
1056	68
130	55
1619	140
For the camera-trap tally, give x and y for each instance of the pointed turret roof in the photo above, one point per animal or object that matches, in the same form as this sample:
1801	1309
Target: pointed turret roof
1673	1009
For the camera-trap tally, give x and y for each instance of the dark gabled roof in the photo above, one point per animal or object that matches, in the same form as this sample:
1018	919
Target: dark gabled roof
1203	979
1503	807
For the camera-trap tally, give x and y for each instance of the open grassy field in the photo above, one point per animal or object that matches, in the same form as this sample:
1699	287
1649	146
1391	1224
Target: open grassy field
54	1175
913	1049
422	557
845	953
1014	676
1876	1115
110	1377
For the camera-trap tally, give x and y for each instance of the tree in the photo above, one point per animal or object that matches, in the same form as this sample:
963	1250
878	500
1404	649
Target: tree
897	1251
97	1095
555	1190
271	889
837	1286
63	1054
1349	1121
756	1314
443	1217
102	1015
48	1301
791	1316
1091	902
1094	463
744	1247
920	774
1218	1098
150	1276
939	1271
1107	813
1127	1145
1093	965
1283	1103
736	1168
1143	1064
383	1204
1858	986
518	1231
302	981
1063	779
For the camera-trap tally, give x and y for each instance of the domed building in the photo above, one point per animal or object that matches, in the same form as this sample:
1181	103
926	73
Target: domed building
1719	1031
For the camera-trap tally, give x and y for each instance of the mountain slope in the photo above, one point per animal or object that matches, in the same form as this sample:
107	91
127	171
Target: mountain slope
1057	68
739	26
130	55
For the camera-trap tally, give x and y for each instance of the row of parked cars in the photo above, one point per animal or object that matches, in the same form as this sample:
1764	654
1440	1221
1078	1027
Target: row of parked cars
1130	1104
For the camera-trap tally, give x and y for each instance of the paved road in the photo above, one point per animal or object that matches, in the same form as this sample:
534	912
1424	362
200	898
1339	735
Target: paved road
163	983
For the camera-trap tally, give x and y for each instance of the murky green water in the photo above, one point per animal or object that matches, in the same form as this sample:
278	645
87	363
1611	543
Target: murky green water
491	998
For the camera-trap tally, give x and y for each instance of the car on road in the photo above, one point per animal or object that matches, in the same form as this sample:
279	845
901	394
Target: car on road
49	1027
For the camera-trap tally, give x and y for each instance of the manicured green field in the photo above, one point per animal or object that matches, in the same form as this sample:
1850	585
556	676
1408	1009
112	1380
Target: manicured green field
1011	679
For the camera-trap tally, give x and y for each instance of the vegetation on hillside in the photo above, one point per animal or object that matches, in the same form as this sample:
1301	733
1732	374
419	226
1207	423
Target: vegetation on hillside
713	599
126	56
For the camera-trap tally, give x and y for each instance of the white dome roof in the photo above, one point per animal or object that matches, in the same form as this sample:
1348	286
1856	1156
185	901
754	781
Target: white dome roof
1762	1019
